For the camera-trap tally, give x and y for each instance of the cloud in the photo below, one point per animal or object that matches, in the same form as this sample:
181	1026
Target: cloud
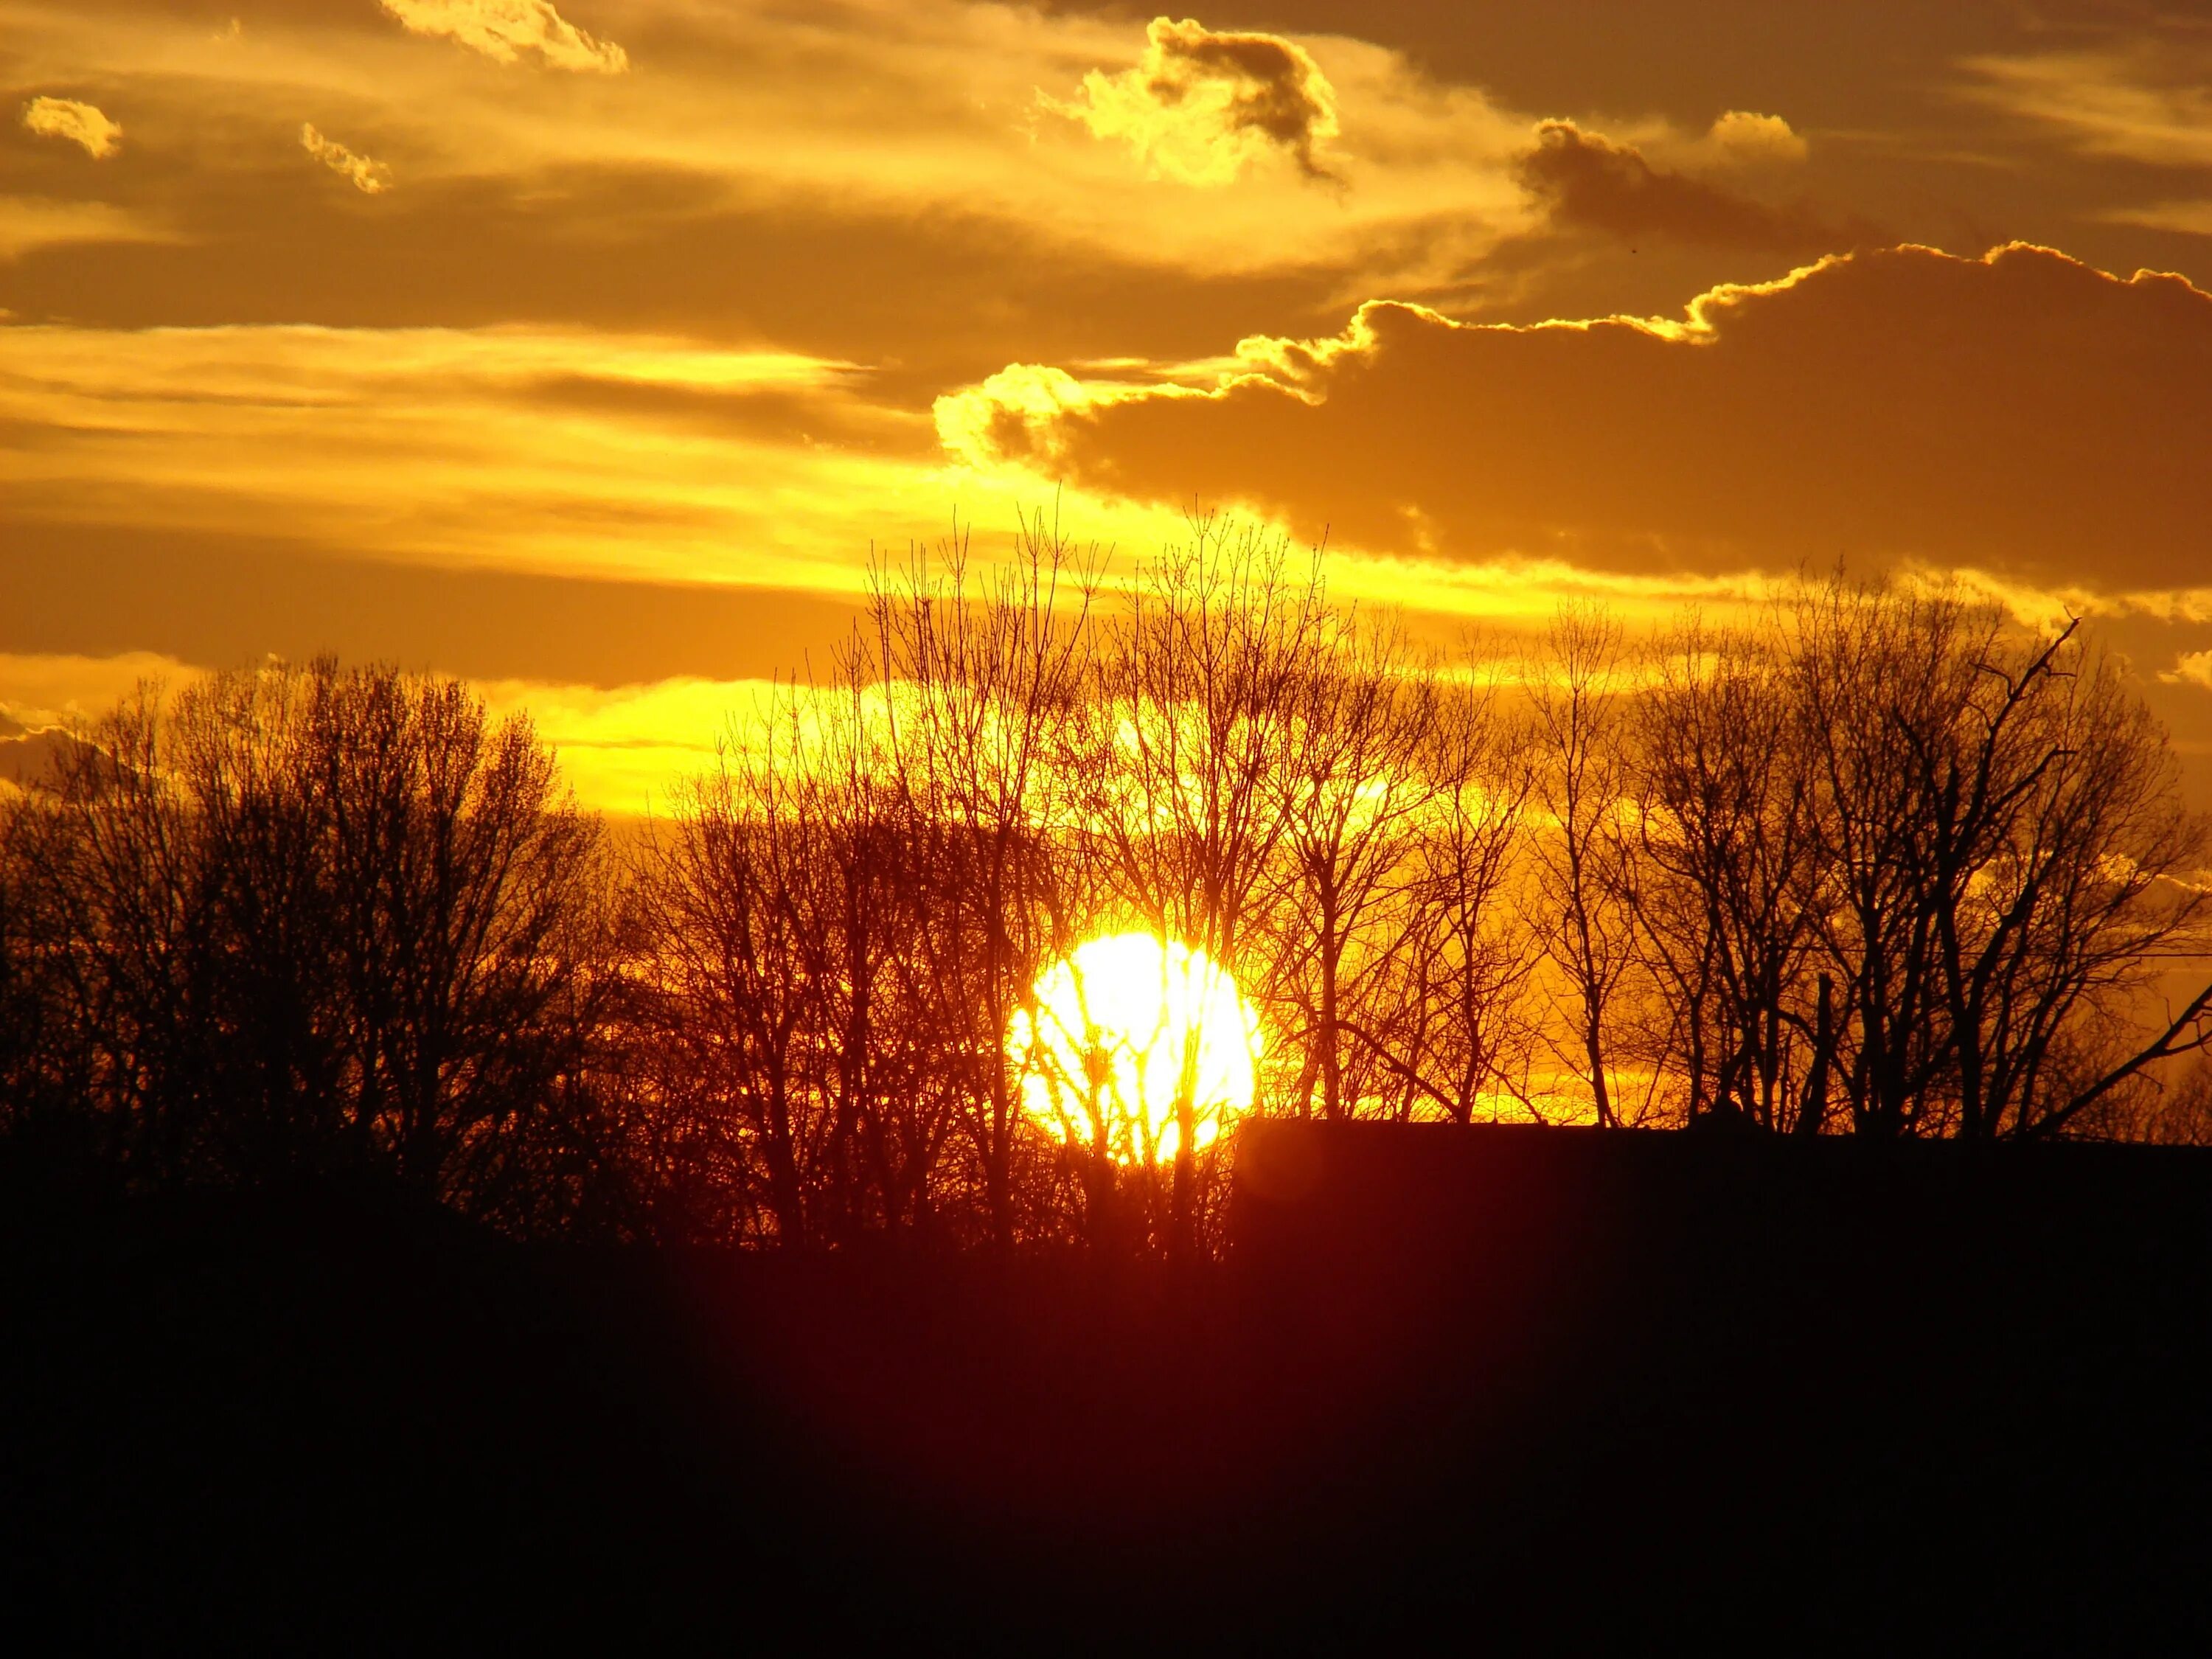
215	600
542	450
1751	140
2193	668
2190	218
36	757
1203	103
30	222
1021	411
2144	102
505	29
2020	413
81	124
370	178
832	138
1589	181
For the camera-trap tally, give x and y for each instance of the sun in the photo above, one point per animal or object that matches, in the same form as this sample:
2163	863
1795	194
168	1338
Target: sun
1122	1029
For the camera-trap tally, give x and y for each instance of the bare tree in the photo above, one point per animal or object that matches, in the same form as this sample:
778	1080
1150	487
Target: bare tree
727	999
1726	880
46	1047
987	672
2061	868
1358	789
1461	1028
324	919
467	898
1999	862
1582	864
868	908
1176	754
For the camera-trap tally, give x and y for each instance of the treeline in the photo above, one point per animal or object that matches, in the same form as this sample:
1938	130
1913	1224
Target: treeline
1875	862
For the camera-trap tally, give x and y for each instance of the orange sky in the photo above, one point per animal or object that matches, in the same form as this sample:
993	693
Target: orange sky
587	351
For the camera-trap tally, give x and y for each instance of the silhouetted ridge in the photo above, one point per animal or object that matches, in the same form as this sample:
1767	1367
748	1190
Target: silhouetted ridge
1544	1387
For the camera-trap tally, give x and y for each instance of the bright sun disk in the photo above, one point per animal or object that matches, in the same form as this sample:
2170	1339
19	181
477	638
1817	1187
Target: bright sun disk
1124	1027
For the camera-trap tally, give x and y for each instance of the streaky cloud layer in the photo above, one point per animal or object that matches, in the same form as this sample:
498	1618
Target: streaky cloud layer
570	343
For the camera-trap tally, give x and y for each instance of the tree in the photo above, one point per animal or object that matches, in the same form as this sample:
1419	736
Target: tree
1582	864
989	671
319	920
1974	834
1728	887
1358	786
46	1050
726	1004
1174	759
1461	1027
2044	863
469	926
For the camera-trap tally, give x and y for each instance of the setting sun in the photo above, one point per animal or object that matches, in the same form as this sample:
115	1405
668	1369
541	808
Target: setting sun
1124	1029
1004	817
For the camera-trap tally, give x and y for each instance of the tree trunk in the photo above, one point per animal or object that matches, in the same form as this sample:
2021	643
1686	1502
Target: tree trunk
1813	1111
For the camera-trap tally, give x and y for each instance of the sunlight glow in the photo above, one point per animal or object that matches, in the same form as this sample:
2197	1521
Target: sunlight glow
1122	1029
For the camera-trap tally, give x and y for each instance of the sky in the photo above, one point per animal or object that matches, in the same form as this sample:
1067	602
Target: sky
595	350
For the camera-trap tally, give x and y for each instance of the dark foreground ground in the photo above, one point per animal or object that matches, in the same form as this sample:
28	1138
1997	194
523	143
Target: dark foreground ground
1500	1390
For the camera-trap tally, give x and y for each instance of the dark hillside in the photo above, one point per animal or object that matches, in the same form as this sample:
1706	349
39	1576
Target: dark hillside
1551	1386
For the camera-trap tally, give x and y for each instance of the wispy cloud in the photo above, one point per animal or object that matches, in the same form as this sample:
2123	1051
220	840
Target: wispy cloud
918	114
30	222
78	123
505	29
527	449
2135	103
2191	218
370	178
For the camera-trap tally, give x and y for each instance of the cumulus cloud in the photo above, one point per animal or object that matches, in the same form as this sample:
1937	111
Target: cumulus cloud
1203	103
1751	140
505	29
1589	181
369	176
2193	668
79	124
1018	411
2020	413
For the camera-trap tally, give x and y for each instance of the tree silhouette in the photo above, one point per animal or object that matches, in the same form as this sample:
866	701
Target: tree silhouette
308	920
1879	861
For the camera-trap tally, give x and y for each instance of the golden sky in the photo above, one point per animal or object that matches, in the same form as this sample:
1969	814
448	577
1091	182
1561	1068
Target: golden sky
587	349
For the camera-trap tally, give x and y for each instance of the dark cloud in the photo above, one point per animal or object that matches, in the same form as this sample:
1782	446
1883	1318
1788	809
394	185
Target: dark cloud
1591	182
221	601
2020	413
1276	91
1202	100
